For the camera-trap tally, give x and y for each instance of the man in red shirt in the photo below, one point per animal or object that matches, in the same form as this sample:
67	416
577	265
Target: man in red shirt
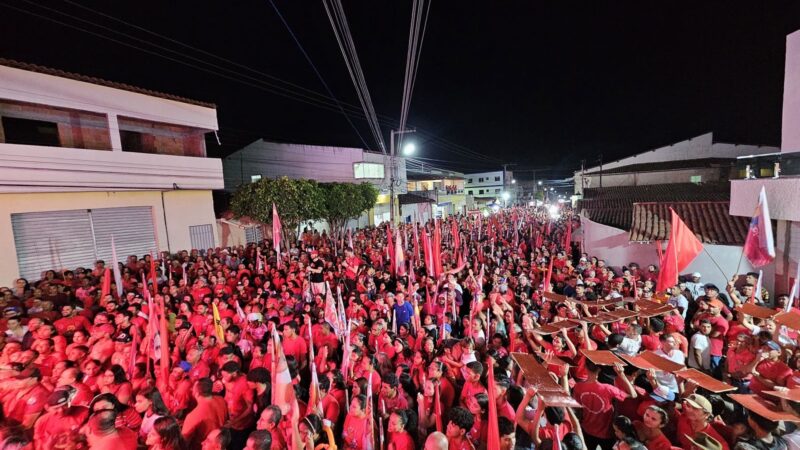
694	418
24	398
294	345
102	433
391	397
598	407
269	421
208	415
461	422
352	265
60	420
70	322
472	375
239	398
768	370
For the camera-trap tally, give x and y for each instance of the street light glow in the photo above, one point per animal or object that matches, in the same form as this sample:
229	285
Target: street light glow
540	182
409	149
513	181
506	196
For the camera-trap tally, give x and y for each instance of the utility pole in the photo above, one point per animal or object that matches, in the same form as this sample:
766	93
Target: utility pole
601	170
393	170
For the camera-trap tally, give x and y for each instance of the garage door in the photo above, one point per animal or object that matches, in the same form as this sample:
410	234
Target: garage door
77	238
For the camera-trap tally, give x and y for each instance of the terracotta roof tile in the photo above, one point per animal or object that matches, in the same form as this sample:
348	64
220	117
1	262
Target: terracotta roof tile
709	221
99	81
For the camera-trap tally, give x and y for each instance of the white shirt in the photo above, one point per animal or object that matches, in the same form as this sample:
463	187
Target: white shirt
702	343
697	289
665	378
630	346
681	303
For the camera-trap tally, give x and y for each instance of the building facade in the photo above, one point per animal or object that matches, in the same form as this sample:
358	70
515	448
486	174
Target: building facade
82	160
263	159
488	187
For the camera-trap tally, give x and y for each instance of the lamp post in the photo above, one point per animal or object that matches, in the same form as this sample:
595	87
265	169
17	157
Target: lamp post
408	149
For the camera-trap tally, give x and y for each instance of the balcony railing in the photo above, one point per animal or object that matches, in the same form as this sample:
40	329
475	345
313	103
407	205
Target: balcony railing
765	166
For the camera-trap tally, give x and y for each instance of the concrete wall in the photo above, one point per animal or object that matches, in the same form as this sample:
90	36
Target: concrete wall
650	178
790	140
321	163
183	209
782	197
471	179
612	245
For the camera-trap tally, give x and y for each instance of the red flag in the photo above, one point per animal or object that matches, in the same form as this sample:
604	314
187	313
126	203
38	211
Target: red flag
568	239
437	249
493	437
759	246
277	228
282	389
415	256
153	275
437	407
164	364
399	255
132	362
106	289
682	248
548	276
391	249
456	237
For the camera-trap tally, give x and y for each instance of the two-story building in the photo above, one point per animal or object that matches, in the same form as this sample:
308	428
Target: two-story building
489	187
433	192
84	159
264	159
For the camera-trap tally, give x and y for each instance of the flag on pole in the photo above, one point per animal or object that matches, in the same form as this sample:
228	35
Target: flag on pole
164	335
548	276
437	407
399	255
390	247
493	435
350	239
331	315
276	234
757	288
795	290
759	246
115	265
347	351
106	287
217	326
369	437
282	389
682	248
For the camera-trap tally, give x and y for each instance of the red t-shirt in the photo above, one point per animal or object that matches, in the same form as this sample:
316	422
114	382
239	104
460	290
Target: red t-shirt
684	432
296	347
203	419
776	371
354	432
718	323
239	397
401	441
598	408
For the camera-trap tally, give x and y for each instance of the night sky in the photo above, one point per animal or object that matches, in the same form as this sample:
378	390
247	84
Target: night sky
541	85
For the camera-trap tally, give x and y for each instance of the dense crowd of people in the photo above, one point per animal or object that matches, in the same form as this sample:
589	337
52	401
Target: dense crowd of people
395	339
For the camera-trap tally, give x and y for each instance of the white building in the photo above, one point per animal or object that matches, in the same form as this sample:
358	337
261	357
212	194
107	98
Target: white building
782	192
263	159
82	159
696	160
486	187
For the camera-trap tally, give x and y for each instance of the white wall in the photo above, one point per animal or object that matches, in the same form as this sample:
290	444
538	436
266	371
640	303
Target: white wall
790	139
28	168
33	87
613	245
488	179
782	197
650	178
321	163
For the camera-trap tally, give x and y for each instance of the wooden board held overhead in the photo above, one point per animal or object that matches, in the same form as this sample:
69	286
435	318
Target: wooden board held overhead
537	375
556	327
602	357
705	381
759	312
789	394
649	360
763	408
788	319
555	297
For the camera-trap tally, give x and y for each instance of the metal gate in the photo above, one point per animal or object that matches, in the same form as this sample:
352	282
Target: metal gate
202	237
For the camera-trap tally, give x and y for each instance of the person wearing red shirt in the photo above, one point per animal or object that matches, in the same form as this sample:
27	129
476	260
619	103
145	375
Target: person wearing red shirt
694	418
460	424
399	439
598	408
368	365
768	370
239	398
269	421
294	345
24	398
472	375
70	322
355	431
352	265
102	433
208	415
391	397
447	393
69	378
60	420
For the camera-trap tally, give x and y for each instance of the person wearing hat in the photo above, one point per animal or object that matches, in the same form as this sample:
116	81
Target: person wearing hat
695	287
24	398
719	328
704	441
695	417
61	419
768	370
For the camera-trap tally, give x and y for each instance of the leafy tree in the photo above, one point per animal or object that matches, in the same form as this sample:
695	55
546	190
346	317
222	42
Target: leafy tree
296	200
345	201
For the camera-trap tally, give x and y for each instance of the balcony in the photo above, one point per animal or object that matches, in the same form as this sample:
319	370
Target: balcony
784	203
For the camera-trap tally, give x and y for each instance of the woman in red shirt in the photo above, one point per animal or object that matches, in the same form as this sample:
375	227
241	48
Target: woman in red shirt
651	429
356	424
399	438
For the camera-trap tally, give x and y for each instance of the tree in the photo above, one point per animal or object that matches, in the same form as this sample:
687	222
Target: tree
345	201
296	200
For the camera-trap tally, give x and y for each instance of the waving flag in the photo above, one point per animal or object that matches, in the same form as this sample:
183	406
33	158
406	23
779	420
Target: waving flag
217	325
399	256
350	239
795	289
493	437
682	248
331	315
106	286
391	249
115	266
276	234
282	389
759	247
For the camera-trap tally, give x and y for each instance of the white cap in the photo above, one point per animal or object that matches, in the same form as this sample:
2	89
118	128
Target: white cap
696	275
254	316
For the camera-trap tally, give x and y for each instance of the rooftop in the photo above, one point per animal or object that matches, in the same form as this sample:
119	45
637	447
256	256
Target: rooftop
99	81
710	222
669	165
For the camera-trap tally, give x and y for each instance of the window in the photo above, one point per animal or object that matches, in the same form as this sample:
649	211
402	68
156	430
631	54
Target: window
368	170
131	141
480	180
254	178
469	180
696	179
201	237
496	178
31	132
469	192
497	190
480	192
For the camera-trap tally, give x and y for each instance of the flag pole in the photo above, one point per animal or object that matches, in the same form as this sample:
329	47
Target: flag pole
715	261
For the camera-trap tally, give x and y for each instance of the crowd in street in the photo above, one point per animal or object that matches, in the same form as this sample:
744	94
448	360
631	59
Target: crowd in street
468	332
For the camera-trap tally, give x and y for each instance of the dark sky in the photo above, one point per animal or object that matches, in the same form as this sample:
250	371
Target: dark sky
532	83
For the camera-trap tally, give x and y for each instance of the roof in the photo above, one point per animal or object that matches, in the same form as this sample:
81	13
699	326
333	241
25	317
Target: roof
99	81
710	222
410	199
613	206
669	165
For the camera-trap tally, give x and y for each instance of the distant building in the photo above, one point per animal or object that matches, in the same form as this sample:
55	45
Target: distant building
264	159
488	187
433	192
782	188
697	160
82	159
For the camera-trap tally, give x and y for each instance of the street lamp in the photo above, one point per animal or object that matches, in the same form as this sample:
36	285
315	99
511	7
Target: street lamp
407	150
540	182
513	181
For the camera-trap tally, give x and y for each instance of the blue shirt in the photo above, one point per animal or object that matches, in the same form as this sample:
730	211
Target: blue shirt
404	313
